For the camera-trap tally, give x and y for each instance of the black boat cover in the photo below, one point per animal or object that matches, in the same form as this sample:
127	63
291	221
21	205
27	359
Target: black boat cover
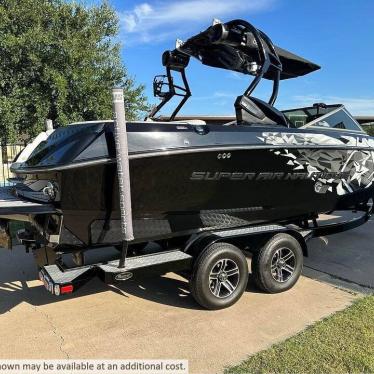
211	49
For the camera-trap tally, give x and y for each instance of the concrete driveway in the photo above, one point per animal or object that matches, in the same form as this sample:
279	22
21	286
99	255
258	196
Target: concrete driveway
149	318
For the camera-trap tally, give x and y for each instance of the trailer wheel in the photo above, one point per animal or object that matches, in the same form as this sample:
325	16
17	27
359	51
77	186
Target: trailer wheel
277	266
219	276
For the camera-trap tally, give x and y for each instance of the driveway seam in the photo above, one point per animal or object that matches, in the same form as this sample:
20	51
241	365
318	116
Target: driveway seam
339	282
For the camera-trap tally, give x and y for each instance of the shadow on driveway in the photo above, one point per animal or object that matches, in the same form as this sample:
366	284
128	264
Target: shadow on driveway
347	256
19	283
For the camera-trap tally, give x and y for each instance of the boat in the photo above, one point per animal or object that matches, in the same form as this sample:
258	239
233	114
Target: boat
265	166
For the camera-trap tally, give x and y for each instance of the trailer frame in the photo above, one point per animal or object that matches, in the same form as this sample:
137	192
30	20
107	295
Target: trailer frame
59	279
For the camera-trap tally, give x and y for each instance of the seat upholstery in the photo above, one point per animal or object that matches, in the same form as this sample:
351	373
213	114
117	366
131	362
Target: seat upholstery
250	110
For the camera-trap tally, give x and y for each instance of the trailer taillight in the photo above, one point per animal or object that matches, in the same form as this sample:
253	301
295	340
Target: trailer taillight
66	289
61	290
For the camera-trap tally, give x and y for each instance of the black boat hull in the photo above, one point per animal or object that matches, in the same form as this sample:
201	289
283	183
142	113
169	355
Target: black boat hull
179	194
185	179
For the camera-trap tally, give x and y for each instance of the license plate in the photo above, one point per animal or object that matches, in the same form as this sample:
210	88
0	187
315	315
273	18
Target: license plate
48	284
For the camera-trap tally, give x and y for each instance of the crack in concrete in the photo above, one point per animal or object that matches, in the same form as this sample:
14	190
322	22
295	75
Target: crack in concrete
51	324
28	298
54	331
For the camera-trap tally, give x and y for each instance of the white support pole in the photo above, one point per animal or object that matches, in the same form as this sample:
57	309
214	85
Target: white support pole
48	125
123	170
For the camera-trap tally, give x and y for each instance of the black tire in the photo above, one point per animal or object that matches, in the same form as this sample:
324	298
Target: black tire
220	257
268	271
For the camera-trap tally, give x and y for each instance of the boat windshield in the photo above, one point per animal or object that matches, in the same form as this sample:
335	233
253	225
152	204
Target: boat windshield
334	117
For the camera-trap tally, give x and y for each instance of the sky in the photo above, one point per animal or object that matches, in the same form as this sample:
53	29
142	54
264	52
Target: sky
338	35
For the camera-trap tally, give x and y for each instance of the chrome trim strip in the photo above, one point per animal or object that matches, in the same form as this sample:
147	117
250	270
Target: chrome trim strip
165	152
248	147
64	167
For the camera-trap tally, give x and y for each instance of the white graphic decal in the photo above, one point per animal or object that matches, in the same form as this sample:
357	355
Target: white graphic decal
355	166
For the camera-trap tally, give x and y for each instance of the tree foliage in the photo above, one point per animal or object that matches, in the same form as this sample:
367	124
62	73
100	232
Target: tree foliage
369	129
59	60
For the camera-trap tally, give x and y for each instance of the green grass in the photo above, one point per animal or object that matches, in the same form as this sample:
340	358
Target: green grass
341	343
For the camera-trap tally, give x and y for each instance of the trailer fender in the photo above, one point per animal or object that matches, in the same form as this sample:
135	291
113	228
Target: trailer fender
301	239
242	239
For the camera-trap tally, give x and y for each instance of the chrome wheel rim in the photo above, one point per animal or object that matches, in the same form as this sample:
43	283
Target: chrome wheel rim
224	278
283	265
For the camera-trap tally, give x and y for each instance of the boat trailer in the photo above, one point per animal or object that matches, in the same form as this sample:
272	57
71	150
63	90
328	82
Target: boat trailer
59	279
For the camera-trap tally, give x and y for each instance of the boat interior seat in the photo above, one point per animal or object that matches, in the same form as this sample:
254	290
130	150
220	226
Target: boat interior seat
250	110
